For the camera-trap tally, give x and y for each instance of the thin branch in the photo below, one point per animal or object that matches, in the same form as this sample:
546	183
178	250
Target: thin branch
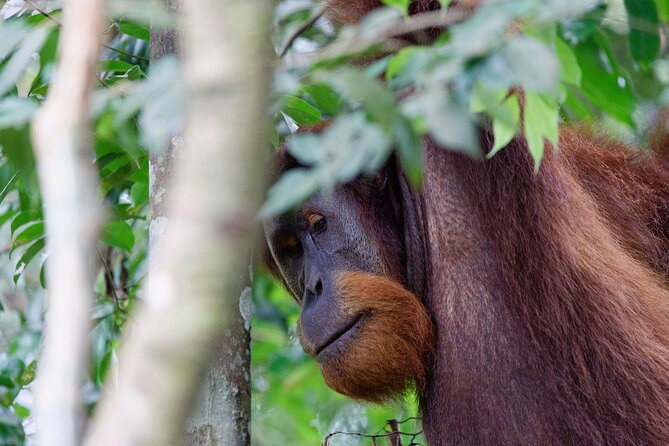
59	23
44	13
315	15
359	42
412	435
125	53
61	137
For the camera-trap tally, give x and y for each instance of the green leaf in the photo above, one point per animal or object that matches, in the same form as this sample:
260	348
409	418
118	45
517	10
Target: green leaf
663	10
378	100
22	58
134	73
135	30
16	111
7	188
644	36
7	215
274	137
300	111
27	256
350	146
293	187
140	194
533	65
119	235
25	217
504	130
324	97
409	149
541	123
307	149
42	275
401	5
30	233
605	84
116	65
103	367
21	411
449	123
570	71
400	61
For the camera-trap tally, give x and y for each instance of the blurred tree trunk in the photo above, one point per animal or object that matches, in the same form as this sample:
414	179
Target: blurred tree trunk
225	394
205	241
62	140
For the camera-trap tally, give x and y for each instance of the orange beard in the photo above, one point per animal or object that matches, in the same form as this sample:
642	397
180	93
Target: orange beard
385	353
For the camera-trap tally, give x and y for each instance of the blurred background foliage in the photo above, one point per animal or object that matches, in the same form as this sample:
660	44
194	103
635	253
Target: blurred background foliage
602	63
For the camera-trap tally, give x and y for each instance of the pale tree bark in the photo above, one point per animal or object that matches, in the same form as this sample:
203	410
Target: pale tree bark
193	287
62	141
221	414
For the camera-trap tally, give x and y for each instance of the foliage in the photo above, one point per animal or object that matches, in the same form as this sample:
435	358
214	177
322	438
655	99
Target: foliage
27	55
574	60
590	61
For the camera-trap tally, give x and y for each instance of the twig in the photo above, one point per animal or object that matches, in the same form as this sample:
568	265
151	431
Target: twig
413	435
44	13
59	23
315	15
110	286
125	53
358	43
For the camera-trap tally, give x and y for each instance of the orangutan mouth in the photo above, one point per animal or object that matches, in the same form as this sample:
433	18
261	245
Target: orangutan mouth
340	336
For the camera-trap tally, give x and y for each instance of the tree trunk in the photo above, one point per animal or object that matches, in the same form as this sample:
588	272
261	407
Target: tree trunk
204	252
61	137
225	393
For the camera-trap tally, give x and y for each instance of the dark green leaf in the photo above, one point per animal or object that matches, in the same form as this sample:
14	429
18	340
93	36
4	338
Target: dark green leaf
116	65
30	233
300	111
119	235
135	30
42	275
140	194
409	149
644	36
25	217
606	86
6	188
324	97
27	256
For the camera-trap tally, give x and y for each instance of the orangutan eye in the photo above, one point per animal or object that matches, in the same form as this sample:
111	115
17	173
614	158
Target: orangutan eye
317	223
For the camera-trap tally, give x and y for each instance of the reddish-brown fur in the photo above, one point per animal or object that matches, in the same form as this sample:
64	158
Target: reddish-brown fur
549	293
390	350
558	331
